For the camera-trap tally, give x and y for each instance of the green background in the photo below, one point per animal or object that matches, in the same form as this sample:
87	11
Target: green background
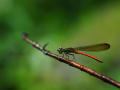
61	23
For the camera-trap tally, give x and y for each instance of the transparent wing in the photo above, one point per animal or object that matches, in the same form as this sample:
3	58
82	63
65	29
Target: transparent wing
97	47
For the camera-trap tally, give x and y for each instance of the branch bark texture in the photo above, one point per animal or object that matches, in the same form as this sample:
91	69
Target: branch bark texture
71	62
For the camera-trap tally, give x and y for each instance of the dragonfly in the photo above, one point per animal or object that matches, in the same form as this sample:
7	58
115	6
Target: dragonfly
77	50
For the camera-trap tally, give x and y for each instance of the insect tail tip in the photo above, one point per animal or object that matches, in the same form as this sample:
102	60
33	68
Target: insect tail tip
101	61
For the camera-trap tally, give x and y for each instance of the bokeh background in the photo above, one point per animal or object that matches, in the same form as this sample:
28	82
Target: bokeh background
61	23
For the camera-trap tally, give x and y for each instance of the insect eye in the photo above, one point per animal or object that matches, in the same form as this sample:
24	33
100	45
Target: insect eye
60	50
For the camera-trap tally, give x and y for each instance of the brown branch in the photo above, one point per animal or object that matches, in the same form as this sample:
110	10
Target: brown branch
72	62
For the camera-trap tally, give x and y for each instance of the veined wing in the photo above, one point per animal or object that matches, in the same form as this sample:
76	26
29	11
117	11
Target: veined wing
97	47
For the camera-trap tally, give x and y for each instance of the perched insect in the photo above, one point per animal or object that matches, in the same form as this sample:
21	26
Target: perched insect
97	47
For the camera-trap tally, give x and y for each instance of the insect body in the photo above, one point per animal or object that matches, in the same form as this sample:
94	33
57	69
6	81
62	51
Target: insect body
97	47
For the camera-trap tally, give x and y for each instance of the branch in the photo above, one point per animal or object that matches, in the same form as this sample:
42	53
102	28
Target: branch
71	62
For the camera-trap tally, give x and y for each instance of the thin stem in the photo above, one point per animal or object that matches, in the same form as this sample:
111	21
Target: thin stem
71	62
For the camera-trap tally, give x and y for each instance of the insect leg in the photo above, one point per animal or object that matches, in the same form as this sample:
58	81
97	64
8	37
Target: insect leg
63	55
67	56
72	55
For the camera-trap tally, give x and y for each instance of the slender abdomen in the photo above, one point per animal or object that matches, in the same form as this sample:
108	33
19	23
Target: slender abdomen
78	52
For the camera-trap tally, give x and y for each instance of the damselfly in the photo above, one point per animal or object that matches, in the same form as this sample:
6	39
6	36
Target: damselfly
97	47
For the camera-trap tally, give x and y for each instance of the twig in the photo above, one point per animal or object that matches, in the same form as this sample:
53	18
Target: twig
72	62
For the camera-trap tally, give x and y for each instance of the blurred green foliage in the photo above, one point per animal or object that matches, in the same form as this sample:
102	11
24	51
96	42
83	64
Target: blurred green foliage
62	23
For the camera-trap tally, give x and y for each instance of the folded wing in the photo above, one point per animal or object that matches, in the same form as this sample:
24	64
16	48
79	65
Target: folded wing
97	47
